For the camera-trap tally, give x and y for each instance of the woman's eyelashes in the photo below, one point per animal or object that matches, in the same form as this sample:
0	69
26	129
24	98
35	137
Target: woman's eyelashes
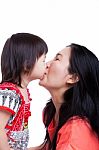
44	60
56	58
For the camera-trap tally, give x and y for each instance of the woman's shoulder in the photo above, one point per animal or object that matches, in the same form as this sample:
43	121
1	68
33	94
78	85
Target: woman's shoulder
77	131
76	122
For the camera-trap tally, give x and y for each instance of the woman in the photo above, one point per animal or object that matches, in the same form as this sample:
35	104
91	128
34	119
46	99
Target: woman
71	117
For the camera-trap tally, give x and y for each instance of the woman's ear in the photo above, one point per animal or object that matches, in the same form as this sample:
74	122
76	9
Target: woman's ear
72	78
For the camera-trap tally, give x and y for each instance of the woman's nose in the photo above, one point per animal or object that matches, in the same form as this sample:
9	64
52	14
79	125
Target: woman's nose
48	64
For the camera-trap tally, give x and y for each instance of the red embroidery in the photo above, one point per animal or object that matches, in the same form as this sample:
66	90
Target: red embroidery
21	120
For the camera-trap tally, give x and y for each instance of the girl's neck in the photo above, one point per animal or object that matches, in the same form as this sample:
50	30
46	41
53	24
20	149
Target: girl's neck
24	84
24	81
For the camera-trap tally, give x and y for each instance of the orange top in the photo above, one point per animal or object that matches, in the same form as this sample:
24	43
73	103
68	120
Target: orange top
76	134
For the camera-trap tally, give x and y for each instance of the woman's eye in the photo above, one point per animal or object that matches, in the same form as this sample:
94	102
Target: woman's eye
56	59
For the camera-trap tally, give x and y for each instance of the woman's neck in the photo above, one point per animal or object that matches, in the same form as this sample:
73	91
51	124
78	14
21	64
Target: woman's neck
57	98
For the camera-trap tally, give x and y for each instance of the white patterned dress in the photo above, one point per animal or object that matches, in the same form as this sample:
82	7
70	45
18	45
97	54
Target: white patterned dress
16	129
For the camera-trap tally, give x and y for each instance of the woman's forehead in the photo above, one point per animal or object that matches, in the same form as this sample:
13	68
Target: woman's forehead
65	51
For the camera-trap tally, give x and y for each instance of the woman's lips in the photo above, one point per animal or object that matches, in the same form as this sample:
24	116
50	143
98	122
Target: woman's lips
43	76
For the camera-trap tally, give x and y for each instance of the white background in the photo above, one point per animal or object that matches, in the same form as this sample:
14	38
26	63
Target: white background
59	23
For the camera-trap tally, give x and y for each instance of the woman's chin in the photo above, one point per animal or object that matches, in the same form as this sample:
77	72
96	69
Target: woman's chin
41	82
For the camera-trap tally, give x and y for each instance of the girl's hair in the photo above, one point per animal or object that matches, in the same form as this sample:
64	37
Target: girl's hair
19	54
83	98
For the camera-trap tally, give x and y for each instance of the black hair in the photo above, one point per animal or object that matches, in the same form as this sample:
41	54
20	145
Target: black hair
19	55
83	98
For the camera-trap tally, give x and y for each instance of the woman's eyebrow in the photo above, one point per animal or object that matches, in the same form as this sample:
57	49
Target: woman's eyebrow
58	54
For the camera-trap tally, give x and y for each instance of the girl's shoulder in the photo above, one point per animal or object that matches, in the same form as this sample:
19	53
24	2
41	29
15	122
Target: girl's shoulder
8	88
10	98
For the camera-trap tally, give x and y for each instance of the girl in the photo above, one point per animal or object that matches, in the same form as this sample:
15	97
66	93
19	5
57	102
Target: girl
22	60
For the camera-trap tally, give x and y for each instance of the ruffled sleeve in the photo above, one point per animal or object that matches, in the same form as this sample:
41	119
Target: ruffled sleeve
9	100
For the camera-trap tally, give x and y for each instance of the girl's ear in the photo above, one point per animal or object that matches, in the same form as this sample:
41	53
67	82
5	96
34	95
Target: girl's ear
26	68
72	78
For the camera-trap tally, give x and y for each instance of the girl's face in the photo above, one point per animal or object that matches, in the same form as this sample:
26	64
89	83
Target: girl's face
57	75
39	68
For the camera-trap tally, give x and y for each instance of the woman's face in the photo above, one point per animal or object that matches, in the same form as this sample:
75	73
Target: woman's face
56	74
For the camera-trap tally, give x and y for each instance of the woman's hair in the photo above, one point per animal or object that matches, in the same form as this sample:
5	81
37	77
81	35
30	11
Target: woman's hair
20	54
82	99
